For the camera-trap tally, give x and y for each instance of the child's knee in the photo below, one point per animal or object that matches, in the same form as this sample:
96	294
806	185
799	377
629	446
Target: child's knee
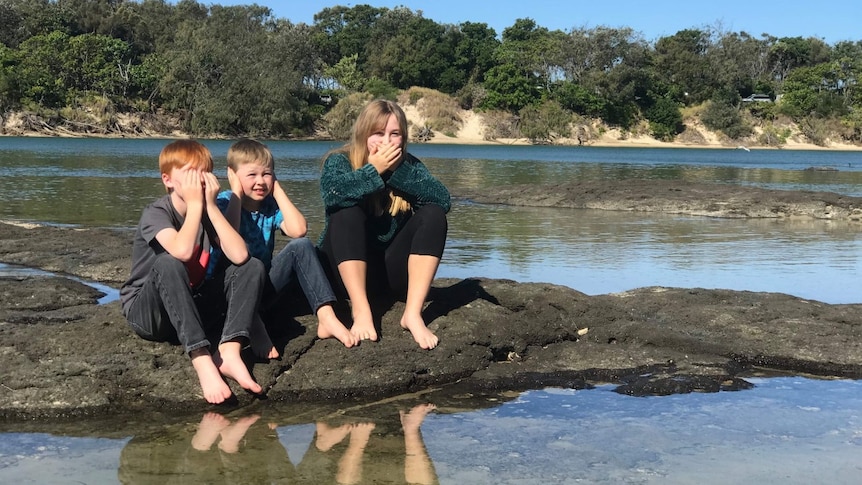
301	245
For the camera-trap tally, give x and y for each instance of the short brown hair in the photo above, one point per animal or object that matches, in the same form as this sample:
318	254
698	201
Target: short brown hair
249	151
180	153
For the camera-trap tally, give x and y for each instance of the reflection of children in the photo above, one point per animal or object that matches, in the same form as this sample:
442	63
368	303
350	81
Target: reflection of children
339	451
385	220
216	428
239	450
257	205
166	289
417	465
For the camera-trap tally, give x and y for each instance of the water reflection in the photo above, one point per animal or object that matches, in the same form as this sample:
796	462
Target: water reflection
255	449
598	252
790	430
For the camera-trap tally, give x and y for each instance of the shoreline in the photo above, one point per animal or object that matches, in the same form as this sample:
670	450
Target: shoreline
641	142
471	133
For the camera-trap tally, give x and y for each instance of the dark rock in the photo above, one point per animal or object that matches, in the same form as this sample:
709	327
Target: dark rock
63	354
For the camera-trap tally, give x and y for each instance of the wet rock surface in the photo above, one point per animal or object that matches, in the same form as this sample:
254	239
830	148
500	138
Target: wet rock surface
676	197
64	354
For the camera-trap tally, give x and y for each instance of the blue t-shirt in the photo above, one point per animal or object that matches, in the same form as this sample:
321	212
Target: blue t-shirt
256	228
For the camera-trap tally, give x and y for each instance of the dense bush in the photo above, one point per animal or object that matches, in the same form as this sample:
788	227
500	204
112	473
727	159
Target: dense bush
665	119
546	122
725	118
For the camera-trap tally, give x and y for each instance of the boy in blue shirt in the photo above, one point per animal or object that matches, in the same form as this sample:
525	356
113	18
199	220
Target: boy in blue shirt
257	205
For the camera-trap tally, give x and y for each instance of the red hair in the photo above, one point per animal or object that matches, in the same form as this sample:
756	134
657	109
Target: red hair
180	153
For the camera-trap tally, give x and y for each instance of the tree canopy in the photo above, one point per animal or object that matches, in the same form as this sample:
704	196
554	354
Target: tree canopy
239	70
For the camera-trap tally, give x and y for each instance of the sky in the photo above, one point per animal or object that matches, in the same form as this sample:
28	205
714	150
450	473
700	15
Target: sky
832	21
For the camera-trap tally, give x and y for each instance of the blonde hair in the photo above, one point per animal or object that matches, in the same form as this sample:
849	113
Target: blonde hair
247	151
373	117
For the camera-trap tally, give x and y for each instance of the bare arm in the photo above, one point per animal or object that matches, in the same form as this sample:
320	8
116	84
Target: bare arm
181	244
234	207
231	243
293	222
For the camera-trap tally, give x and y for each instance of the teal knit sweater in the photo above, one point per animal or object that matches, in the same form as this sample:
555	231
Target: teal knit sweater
341	187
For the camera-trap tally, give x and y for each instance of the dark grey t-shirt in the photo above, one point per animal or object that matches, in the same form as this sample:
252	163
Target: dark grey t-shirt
159	215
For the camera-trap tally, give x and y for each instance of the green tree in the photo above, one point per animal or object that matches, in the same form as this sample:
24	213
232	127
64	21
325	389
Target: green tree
665	119
509	88
240	72
408	50
9	94
340	32
22	19
346	74
814	90
589	54
740	62
474	48
533	50
97	63
578	99
788	53
40	81
681	63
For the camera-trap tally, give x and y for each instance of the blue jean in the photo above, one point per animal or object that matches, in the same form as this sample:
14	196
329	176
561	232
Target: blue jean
299	260
167	309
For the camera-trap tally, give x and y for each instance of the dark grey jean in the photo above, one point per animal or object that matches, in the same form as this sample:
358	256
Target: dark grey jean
168	310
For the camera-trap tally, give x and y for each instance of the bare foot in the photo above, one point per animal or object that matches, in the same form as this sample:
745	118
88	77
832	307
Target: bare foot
215	389
361	433
327	437
413	419
424	337
363	327
328	326
350	464
233	434
273	353
230	364
208	431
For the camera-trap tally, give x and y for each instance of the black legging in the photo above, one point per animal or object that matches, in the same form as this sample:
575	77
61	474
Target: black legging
347	239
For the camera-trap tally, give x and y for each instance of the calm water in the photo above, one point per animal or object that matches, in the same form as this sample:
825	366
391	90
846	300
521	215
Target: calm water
788	430
106	183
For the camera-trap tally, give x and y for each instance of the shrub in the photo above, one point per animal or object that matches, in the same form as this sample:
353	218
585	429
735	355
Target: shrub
379	88
441	111
500	124
773	136
544	123
725	118
665	119
338	123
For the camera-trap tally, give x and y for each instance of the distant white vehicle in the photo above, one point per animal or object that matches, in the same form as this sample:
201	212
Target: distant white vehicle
757	98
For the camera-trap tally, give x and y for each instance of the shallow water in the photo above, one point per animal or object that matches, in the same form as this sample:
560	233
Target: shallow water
787	430
106	182
790	430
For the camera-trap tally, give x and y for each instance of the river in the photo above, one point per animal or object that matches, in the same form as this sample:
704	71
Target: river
790	429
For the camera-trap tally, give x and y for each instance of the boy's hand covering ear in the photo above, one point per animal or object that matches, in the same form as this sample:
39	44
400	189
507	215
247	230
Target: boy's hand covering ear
233	180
